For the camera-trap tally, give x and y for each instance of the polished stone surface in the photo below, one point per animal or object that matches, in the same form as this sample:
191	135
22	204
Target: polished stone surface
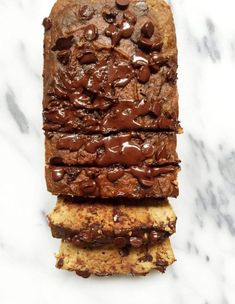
205	240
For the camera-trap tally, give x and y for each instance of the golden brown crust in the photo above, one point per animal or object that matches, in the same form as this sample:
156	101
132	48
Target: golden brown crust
96	222
109	261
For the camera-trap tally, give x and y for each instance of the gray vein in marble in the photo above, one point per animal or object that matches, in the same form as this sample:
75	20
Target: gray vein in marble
200	147
227	169
210	43
211	201
16	112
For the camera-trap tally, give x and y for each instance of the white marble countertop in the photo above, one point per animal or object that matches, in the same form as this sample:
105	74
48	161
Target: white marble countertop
205	240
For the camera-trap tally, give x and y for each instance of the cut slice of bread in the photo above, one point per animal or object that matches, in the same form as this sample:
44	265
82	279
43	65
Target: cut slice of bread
110	261
100	222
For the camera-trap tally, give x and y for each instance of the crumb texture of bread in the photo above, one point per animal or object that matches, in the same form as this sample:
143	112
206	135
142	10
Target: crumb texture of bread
97	223
111	261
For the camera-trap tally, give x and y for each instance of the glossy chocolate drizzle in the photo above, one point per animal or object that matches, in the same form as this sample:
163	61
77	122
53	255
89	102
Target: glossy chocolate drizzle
89	81
118	149
84	95
145	175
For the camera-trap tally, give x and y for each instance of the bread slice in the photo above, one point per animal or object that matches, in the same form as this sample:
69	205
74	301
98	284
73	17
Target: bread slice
111	261
107	182
106	222
135	148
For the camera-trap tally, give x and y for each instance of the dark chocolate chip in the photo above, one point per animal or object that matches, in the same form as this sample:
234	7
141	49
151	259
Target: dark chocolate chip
148	258
145	43
161	262
57	174
60	263
114	33
157	45
47	24
144	74
139	60
87	57
63	57
126	29
56	161
122	4
86	12
156	61
91	32
63	44
130	17
120	241
88	187
124	251
147	150
83	273
136	242
154	236
147	29
109	14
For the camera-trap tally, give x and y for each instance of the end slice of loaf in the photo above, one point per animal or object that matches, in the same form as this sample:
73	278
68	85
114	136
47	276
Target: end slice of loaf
110	261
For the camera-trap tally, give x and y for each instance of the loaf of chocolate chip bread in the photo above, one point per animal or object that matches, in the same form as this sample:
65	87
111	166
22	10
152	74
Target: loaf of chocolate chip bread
110	116
110	261
106	222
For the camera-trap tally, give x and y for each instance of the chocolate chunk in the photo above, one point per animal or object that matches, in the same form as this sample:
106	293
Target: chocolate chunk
109	14
60	263
63	44
126	29
157	45
136	241
124	251
154	236
146	258
139	59
87	57
156	61
147	150
120	241
86	12
147	29
56	161
144	74
88	187
84	274
161	262
91	32
114	33
63	57
122	4
145	44
47	24
130	17
57	174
